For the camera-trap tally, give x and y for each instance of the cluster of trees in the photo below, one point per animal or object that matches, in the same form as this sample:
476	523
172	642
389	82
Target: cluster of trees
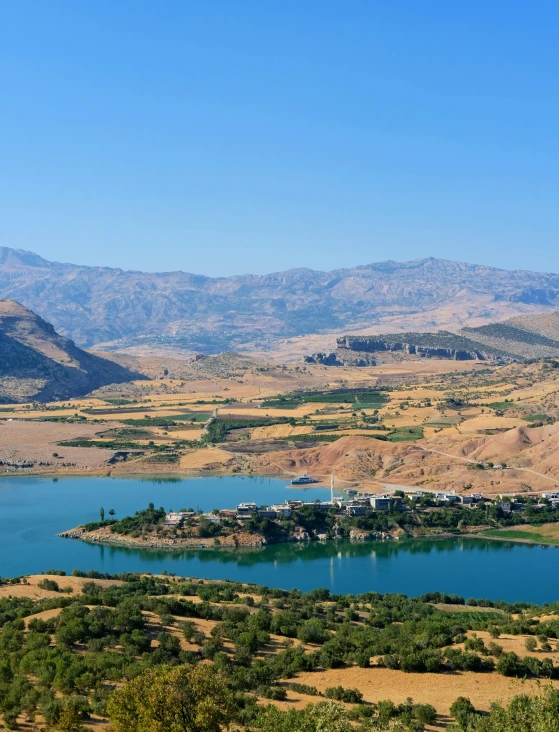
146	520
66	667
219	428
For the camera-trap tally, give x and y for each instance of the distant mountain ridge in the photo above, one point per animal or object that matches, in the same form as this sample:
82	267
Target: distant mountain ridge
100	305
37	364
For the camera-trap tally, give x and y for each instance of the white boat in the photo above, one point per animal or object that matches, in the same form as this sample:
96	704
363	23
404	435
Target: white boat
304	480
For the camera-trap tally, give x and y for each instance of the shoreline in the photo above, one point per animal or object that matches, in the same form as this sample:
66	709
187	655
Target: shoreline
238	540
242	540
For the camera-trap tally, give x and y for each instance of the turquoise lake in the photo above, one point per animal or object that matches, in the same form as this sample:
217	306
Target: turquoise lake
34	510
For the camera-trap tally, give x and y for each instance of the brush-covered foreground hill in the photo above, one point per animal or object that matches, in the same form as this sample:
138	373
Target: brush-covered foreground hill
94	305
37	364
536	336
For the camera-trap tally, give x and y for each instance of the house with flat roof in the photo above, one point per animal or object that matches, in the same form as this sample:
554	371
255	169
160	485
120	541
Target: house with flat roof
385	502
356	509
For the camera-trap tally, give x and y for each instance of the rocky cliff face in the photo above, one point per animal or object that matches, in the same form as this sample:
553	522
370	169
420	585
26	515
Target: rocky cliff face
37	364
95	305
370	350
387	344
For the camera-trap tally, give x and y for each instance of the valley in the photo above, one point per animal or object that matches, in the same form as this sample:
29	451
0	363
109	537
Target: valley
434	425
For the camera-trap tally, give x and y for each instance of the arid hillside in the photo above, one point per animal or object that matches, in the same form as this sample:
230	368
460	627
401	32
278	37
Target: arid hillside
438	425
37	364
99	305
536	336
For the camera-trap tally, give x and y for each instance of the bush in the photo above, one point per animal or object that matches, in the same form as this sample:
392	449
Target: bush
530	643
48	584
425	713
349	696
312	631
277	693
463	711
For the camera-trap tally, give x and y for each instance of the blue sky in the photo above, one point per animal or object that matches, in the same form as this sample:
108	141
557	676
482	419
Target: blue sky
234	136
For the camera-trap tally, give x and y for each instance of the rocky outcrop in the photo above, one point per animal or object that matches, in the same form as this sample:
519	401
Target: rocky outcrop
341	358
381	344
442	344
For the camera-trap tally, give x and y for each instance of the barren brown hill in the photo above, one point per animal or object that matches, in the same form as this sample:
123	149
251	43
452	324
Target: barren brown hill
37	364
536	448
443	462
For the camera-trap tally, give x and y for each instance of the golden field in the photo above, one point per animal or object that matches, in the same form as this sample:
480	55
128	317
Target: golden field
440	419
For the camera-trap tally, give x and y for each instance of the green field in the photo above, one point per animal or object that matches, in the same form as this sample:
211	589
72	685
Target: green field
500	406
405	434
362	398
513	535
192	417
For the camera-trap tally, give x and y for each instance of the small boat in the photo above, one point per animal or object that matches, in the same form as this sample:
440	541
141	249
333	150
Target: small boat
304	480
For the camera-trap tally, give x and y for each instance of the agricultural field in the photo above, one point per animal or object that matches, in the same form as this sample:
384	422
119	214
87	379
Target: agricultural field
427	424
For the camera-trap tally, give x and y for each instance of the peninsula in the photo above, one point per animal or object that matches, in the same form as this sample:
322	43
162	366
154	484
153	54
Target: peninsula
360	518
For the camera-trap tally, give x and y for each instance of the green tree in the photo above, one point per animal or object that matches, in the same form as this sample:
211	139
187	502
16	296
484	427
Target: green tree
463	712
534	714
102	513
180	699
530	643
112	512
321	717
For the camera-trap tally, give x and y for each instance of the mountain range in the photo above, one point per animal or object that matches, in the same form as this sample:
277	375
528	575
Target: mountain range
113	308
37	364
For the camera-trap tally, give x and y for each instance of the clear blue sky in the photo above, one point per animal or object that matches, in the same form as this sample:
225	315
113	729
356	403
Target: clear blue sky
236	136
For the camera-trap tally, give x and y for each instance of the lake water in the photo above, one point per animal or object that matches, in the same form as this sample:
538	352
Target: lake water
34	510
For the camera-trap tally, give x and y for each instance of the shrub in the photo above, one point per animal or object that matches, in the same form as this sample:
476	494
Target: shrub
425	713
48	584
463	711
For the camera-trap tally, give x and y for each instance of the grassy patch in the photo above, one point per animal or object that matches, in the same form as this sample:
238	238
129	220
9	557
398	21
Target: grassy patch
163	457
500	406
513	535
474	616
535	417
362	398
405	434
192	417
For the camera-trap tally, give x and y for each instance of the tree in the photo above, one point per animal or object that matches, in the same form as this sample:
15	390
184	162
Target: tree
102	513
537	714
112	512
463	712
179	699
321	717
530	643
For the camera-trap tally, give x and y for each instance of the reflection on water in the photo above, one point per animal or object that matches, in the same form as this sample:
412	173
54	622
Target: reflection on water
33	510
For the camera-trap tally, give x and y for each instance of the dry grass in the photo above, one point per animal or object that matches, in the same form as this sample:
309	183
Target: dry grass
34	592
440	690
490	422
201	459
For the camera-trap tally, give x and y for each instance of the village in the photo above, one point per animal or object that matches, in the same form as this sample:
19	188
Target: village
355	516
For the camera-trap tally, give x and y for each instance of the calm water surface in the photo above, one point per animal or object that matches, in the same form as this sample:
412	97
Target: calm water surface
33	510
